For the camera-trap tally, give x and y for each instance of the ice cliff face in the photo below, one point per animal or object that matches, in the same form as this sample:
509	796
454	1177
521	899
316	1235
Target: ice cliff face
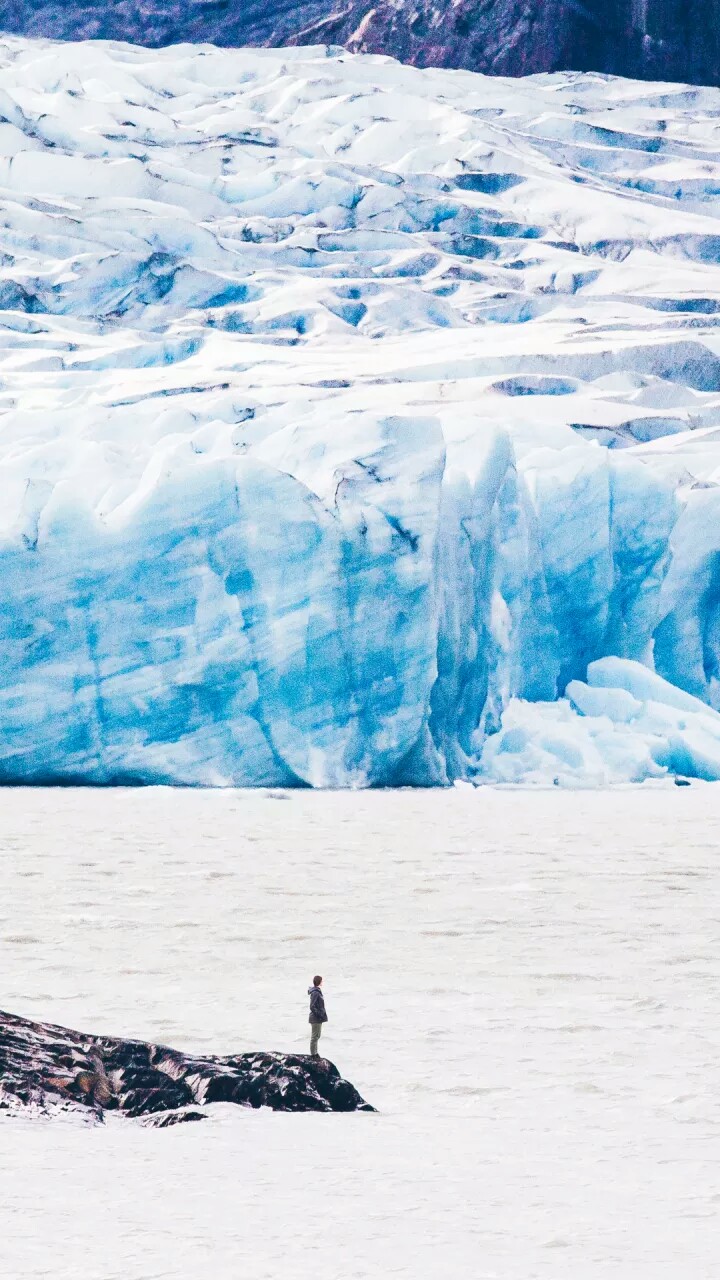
656	39
346	409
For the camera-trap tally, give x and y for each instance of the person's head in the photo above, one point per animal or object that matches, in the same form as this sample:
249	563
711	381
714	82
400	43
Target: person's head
317	980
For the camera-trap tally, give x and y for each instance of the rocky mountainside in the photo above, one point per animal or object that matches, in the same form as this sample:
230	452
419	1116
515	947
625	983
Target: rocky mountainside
655	39
47	1069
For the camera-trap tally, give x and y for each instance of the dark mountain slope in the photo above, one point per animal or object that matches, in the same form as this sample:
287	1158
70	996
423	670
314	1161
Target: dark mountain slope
644	38
663	39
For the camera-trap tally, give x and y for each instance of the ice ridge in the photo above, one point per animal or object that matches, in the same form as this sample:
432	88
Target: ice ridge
352	417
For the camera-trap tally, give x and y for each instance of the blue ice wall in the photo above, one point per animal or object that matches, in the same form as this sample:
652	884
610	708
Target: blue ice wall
225	626
230	626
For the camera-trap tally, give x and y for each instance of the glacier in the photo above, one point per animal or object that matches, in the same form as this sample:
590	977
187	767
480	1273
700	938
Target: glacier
360	424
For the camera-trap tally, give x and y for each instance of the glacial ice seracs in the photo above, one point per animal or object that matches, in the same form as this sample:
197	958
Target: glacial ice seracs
360	424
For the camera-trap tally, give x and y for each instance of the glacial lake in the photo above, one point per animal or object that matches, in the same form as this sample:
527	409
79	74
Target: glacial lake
525	984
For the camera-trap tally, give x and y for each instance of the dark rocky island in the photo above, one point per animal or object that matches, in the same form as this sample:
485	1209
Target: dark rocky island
47	1069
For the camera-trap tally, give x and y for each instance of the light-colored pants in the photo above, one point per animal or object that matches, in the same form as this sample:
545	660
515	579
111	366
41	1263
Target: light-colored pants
315	1031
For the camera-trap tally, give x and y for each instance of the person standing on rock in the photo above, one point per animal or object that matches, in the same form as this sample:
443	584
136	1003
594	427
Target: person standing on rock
318	1014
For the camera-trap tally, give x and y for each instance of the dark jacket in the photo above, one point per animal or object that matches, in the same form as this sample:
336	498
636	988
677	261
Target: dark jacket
317	1005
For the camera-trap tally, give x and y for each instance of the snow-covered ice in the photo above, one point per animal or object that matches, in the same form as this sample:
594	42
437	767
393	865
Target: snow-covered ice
350	412
625	724
526	984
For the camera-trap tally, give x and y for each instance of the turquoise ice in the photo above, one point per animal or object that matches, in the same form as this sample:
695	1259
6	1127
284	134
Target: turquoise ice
360	425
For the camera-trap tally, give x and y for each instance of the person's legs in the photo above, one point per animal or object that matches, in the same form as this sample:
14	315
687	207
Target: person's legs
316	1028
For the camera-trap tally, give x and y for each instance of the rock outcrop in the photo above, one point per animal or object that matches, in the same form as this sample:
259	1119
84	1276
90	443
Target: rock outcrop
648	39
48	1069
656	39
